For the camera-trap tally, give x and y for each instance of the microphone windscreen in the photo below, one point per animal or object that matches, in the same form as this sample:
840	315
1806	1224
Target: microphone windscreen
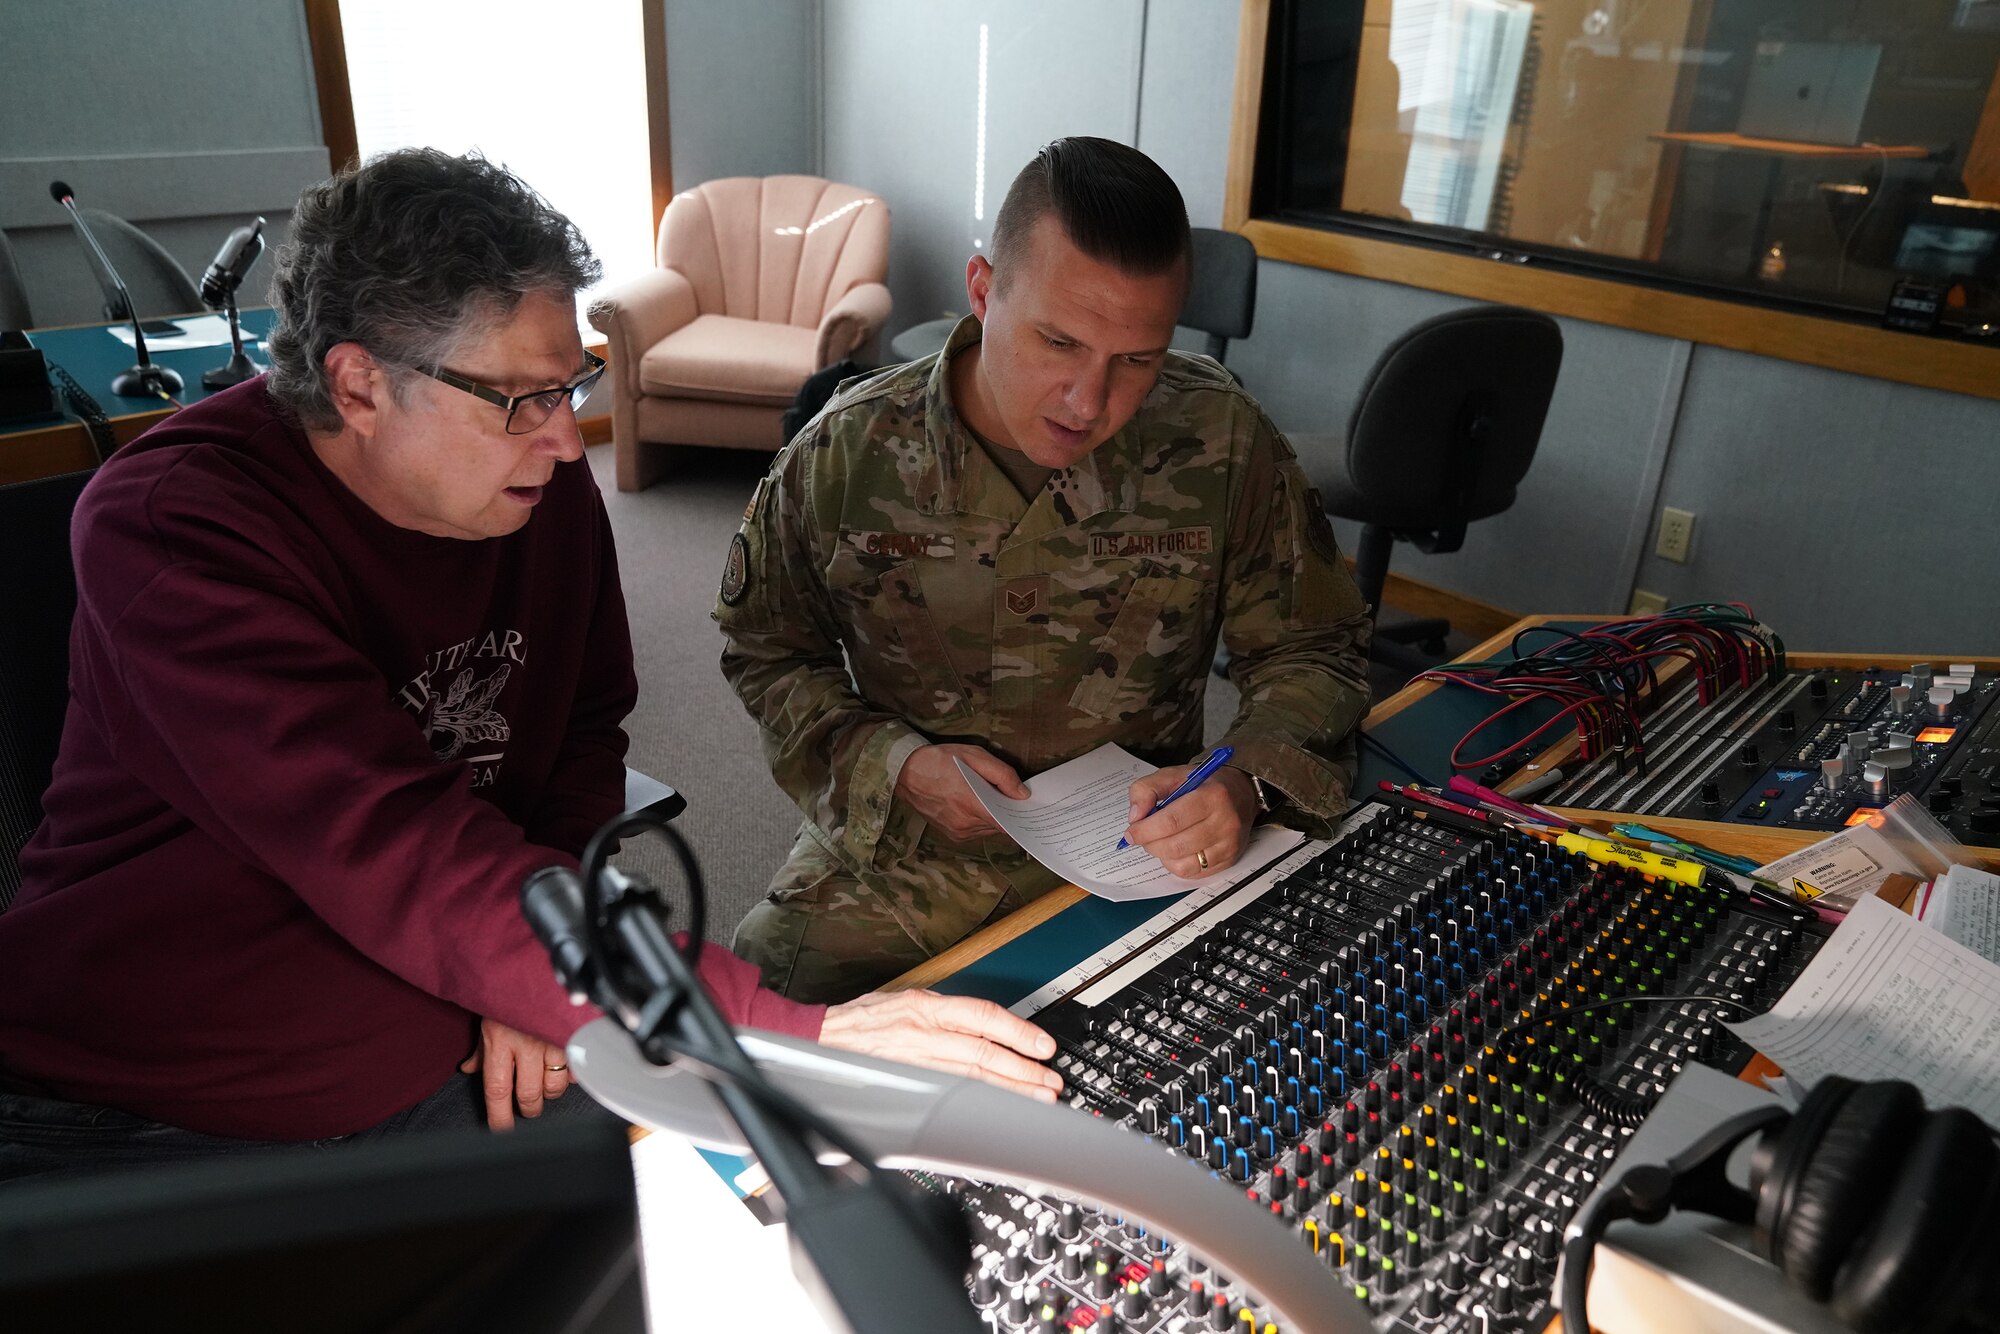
60	191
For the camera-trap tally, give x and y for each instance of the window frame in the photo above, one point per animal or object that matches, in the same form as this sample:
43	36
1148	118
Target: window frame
1809	339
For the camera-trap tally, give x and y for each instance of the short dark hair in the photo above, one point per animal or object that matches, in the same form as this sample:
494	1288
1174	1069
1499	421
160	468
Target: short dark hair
412	254
1115	204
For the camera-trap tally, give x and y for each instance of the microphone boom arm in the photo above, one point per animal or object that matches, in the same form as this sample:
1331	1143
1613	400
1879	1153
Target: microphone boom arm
143	379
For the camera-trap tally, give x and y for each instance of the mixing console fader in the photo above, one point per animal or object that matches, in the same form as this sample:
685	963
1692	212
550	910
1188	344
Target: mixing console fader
1814	748
1356	1047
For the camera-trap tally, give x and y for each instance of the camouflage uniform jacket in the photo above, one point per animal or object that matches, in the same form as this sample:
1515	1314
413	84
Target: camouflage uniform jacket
890	586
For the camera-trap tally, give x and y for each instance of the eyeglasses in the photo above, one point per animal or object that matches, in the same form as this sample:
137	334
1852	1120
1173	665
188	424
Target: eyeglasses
527	412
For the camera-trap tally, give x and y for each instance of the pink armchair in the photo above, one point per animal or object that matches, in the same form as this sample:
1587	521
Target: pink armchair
762	281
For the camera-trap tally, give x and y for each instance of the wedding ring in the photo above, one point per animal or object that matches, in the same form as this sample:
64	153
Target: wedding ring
1201	859
555	1069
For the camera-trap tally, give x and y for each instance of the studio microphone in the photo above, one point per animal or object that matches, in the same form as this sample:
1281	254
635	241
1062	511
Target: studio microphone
218	289
143	380
231	264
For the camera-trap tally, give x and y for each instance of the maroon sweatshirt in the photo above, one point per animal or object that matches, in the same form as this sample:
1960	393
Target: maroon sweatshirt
308	761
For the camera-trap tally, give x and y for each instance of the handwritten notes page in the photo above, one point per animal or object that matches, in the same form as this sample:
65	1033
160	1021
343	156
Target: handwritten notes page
1075	814
1889	998
1965	906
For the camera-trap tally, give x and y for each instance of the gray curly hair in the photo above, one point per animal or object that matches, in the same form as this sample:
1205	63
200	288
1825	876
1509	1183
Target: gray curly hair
412	254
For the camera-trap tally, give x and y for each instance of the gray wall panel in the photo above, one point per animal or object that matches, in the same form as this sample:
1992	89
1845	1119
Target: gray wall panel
185	124
1853	514
83	77
742	88
1185	96
901	103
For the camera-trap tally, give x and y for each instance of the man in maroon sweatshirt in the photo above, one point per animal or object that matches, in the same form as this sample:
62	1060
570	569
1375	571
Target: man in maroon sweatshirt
350	661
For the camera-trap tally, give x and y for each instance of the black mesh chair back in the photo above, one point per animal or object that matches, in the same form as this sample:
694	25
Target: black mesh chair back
37	602
1444	431
156	280
1222	293
1448	422
14	310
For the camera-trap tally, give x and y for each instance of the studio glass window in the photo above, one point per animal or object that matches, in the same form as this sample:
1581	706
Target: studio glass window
1800	154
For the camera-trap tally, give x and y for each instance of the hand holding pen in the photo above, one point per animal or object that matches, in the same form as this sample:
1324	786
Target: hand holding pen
1195	820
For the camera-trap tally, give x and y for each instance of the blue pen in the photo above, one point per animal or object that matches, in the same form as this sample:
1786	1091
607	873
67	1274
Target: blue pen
1190	783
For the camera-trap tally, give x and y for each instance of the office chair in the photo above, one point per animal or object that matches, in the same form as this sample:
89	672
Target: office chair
1443	433
14	310
36	604
156	280
1222	292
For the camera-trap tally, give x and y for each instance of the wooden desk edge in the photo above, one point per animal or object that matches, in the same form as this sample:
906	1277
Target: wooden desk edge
987	939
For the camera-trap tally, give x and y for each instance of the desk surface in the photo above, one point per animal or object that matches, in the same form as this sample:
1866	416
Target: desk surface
93	355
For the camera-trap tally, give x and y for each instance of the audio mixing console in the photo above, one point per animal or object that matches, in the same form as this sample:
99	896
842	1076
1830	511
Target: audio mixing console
1813	748
1358	1047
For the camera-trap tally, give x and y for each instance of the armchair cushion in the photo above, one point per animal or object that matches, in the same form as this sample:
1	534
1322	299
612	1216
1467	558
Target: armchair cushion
644	309
854	319
731	360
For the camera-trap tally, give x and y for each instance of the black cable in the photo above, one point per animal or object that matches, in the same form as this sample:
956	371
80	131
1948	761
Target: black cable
1619	1106
88	411
732	1068
1634	998
1383	750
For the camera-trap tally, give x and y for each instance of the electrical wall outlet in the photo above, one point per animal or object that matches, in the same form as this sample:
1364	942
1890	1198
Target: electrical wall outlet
1676	535
1645	603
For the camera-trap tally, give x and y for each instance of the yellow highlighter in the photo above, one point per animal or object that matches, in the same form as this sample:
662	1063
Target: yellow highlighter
1618	854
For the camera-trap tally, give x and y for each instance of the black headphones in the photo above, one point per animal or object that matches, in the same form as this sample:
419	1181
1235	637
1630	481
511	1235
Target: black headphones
1887	1212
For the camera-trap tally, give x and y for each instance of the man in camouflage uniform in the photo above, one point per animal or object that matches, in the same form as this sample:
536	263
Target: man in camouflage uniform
1012	553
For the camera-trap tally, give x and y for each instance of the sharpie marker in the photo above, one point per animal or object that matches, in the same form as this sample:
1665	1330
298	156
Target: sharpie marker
1603	850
